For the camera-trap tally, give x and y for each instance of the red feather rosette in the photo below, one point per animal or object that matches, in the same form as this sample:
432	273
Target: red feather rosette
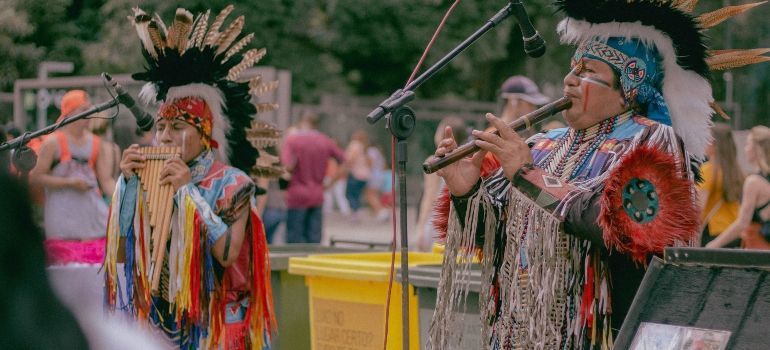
647	206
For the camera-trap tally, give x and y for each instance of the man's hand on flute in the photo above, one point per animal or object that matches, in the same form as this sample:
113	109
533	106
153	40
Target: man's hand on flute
509	148
462	175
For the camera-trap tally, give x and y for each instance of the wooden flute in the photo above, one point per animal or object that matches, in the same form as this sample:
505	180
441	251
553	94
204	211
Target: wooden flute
522	123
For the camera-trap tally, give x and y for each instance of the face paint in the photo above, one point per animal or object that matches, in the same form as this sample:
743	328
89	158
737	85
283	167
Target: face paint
184	141
193	111
577	72
586	93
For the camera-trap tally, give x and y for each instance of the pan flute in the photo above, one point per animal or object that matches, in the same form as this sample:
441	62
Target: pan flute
159	201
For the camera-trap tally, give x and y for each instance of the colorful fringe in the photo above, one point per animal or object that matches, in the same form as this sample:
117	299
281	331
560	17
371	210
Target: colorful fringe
255	331
263	321
112	244
136	264
192	293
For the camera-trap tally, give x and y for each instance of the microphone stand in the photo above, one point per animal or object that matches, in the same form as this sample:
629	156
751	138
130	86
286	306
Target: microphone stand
401	123
24	159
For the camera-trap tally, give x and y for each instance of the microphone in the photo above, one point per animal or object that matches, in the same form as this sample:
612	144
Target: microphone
534	45
143	119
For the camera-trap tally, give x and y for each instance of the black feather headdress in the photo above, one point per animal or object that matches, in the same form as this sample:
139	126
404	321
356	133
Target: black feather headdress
193	58
677	38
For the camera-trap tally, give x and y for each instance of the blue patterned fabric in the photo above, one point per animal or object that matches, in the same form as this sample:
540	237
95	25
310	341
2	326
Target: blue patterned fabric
215	188
639	68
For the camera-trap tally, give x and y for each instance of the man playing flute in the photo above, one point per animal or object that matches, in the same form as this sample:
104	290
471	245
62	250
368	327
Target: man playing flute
567	222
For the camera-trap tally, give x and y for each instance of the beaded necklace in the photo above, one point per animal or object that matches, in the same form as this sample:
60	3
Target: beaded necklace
573	151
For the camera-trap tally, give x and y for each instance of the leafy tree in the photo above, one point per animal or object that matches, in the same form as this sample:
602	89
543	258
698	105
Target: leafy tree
18	55
357	47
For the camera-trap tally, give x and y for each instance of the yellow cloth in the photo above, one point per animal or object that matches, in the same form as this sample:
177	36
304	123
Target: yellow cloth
728	212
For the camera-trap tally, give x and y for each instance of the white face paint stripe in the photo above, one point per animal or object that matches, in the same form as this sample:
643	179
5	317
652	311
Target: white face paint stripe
574	73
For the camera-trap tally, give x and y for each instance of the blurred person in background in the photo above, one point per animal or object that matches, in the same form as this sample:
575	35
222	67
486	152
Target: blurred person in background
720	192
75	172
374	185
360	170
102	127
305	154
520	96
753	222
335	183
433	184
272	205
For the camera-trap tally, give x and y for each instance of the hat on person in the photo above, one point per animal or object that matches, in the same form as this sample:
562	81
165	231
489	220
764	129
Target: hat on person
521	87
71	101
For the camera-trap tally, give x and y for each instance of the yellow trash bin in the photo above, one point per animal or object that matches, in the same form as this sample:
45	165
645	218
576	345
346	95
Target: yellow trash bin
347	295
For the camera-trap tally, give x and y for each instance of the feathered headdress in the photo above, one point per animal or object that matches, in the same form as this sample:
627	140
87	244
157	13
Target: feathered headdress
262	136
196	61
657	48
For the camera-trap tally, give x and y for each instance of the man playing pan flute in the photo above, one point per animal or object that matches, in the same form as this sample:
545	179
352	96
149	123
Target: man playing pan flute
214	286
566	227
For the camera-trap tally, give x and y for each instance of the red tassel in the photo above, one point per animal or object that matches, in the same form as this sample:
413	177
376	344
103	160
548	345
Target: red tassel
489	165
677	218
440	218
586	314
261	291
237	333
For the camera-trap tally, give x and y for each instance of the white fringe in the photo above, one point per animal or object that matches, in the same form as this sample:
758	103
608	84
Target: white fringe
454	283
533	299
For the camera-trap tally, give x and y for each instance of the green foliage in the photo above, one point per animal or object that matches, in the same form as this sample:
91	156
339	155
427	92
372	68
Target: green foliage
362	47
378	43
16	53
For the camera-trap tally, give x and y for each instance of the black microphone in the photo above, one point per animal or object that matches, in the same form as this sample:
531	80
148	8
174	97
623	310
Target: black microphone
534	45
143	119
